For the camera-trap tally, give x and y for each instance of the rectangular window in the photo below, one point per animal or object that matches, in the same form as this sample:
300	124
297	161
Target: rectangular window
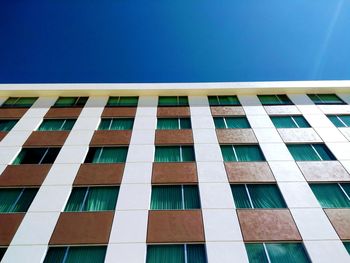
340	120
173	123
310	152
223	101
187	253
76	254
257	196
114	124
2	252
122	101
277	253
106	155
242	153
71	102
57	125
175	197
37	156
19	102
346	245
13	200
165	154
332	195
231	123
290	122
92	199
274	100
171	101
7	125
329	99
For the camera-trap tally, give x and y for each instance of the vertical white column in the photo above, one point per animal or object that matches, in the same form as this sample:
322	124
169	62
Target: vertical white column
127	241
31	239
224	242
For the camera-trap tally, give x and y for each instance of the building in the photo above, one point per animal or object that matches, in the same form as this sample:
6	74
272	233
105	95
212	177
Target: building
170	173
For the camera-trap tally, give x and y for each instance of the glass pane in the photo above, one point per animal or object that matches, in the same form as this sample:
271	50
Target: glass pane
303	152
86	254
196	254
237	123
213	101
122	124
65	101
168	124
165	254
76	199
166	197
330	99
183	101
269	100
167	154
219	123
191	196
81	101
185	123
266	196
51	125
9	102
346	187
113	101
347	246
228	101
101	199
324	152
2	252
315	98
300	120
168	101
8	199
249	153
330	195
68	125
25	200
256	253
25	102
283	122
336	121
345	119
105	124
287	253
51	155
107	155
228	153
55	255
128	101
7	125
30	156
240	196
187	154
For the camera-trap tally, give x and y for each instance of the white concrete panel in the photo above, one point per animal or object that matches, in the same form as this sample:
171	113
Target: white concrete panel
345	97
216	195
148	101
301	100
204	136
61	174
130	253
142	137
76	138
226	252
145	123
8	154
260	121
199	101
25	254
200	111
276	152
72	154
298	195
340	150
334	109
211	172
318	121
345	132
15	138
134	196
86	123
27	124
346	165
286	171
137	173
96	102
326	251
202	122
2	168
331	135
208	153
267	135
140	153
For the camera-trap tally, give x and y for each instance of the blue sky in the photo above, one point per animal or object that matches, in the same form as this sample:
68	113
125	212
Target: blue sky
49	41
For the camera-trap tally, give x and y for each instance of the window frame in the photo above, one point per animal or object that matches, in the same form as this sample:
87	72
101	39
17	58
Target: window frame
179	104
222	104
104	147
111	120
329	152
14	105
60	129
235	153
41	161
339	119
278	99
224	119
76	103
292	117
9	120
179	123
21	191
110	105
180	151
345	195
321	102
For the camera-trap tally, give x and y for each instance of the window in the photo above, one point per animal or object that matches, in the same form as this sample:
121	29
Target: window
37	156
92	199
257	196
116	124
122	101
106	155
242	153
277	253
173	101
14	200
231	123
332	195
223	101
2	252
57	125
7	125
173	123
289	122
340	120
175	197
310	152
16	102
76	254
71	101
325	99
346	245
187	253
165	154
274	100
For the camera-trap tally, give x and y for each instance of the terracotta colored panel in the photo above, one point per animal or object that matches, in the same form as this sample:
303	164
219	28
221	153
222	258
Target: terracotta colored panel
268	225
12	113
168	173
282	110
24	175
227	111
173	137
179	226
82	228
119	112
323	171
111	138
9	224
99	174
173	112
47	138
236	136
340	219
2	135
69	112
299	135
245	172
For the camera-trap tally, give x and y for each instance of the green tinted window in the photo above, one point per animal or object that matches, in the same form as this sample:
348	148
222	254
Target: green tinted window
19	102
340	120
290	122
14	200
310	152
231	123
223	101
71	101
332	195
57	125
7	125
174	154
37	156
173	101
274	100
116	124
325	99
173	123
106	155
242	153
347	246
2	252
85	254
122	101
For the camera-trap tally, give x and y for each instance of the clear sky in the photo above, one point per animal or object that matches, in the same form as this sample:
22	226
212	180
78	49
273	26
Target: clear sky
49	41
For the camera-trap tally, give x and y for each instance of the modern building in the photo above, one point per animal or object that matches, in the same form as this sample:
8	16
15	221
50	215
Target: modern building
175	173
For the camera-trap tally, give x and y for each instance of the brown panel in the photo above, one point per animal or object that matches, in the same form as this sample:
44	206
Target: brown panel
227	111
111	138
323	171
168	173
173	137
245	172
236	136
82	228
24	175
267	225
340	219
69	112
282	110
2	135
99	174
299	135
12	113
47	138
179	226
173	112
119	112
9	224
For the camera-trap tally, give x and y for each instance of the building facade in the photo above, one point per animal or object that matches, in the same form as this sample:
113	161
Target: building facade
175	173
